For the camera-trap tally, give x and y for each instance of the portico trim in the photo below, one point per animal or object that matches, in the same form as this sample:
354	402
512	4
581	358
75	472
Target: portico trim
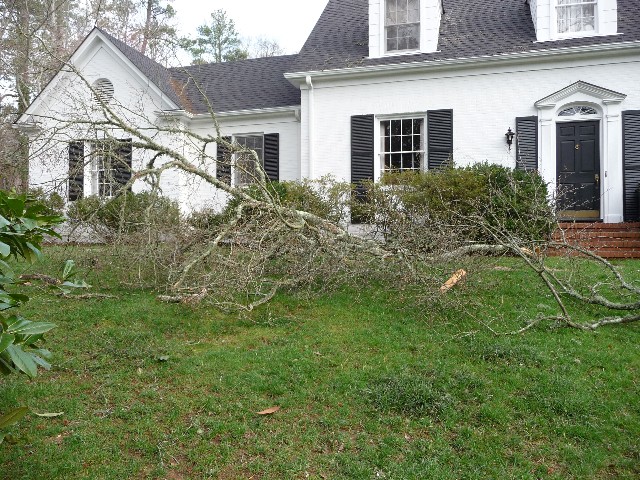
608	105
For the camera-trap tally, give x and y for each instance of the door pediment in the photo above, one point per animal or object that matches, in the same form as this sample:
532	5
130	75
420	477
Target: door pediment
599	94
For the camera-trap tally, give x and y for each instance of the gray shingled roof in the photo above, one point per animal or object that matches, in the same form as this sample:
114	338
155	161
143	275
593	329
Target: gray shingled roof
155	72
240	85
469	28
340	38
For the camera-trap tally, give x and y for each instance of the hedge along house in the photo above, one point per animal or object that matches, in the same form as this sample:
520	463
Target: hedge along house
385	85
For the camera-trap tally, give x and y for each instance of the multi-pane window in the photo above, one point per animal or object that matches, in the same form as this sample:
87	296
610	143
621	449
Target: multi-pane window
402	24
576	16
104	155
246	171
110	166
402	145
579	110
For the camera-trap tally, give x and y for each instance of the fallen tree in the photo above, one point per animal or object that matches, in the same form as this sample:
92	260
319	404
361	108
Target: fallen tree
274	237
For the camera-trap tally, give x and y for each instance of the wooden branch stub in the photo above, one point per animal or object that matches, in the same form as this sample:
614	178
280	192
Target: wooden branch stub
454	280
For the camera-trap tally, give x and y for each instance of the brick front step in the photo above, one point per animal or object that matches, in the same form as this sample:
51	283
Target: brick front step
609	240
618	253
603	252
600	240
600	226
607	244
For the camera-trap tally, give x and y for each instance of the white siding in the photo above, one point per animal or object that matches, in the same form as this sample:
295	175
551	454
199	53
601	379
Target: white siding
69	99
197	194
485	103
67	104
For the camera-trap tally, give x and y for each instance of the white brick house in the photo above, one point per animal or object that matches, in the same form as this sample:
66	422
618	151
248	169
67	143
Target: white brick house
400	84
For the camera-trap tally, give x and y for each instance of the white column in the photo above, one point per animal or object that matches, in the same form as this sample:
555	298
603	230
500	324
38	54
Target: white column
305	132
547	146
612	168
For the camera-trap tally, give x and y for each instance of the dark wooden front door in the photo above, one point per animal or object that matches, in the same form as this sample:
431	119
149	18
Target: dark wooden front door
578	167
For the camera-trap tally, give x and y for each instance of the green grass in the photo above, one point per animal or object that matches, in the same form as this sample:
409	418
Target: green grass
368	388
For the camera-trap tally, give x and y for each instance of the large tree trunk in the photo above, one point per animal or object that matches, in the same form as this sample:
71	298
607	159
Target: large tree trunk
147	27
23	88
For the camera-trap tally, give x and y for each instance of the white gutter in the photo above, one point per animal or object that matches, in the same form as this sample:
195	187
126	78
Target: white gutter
183	114
469	62
30	128
310	125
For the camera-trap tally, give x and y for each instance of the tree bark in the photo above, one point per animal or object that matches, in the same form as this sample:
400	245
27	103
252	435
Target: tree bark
147	27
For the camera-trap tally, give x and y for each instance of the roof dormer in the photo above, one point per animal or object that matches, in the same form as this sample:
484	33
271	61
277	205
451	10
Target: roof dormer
561	19
401	27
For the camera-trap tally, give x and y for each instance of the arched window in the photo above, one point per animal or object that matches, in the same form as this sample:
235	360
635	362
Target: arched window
103	90
577	110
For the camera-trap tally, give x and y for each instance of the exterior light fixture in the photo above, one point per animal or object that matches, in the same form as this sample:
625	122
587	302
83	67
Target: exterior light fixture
510	134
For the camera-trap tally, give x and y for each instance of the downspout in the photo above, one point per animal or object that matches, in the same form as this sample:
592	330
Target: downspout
310	126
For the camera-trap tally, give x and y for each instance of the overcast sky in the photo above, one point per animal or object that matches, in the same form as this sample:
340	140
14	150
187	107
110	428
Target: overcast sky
288	22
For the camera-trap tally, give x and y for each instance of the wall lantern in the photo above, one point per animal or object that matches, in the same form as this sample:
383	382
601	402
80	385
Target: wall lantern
510	134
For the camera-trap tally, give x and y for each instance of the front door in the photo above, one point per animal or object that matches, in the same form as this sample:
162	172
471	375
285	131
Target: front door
578	167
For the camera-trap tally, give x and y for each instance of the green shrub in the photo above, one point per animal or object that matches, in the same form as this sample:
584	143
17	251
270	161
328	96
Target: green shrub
53	202
480	203
324	197
126	213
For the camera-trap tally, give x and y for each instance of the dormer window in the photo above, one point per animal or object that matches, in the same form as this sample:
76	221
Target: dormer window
576	16
402	25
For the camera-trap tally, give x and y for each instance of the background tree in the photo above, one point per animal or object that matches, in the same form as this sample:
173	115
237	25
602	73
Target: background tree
264	47
38	36
146	25
159	37
216	42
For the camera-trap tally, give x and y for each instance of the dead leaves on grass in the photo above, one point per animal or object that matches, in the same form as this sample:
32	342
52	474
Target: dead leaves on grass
268	411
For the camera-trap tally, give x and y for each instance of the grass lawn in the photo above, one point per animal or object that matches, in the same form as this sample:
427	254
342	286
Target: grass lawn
367	388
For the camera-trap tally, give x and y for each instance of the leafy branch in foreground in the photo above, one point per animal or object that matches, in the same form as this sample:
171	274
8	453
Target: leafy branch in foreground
24	223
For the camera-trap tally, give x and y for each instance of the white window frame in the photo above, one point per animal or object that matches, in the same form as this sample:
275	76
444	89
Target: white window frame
238	180
581	33
380	167
384	27
98	169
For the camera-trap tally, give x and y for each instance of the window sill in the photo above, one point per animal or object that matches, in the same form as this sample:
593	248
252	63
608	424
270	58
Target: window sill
403	53
561	37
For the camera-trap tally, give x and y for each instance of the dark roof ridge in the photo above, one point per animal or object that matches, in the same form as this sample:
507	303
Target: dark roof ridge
234	62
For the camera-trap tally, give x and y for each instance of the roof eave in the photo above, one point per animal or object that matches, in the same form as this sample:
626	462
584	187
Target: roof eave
299	78
188	116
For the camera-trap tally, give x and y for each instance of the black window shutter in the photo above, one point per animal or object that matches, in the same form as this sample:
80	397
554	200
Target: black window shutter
631	163
362	157
76	170
272	156
362	151
123	162
223	166
439	138
527	143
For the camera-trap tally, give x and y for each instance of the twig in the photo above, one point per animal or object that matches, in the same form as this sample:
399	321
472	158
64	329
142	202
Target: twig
86	296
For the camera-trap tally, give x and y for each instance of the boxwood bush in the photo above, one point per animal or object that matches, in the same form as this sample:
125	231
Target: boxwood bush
127	213
324	197
480	203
